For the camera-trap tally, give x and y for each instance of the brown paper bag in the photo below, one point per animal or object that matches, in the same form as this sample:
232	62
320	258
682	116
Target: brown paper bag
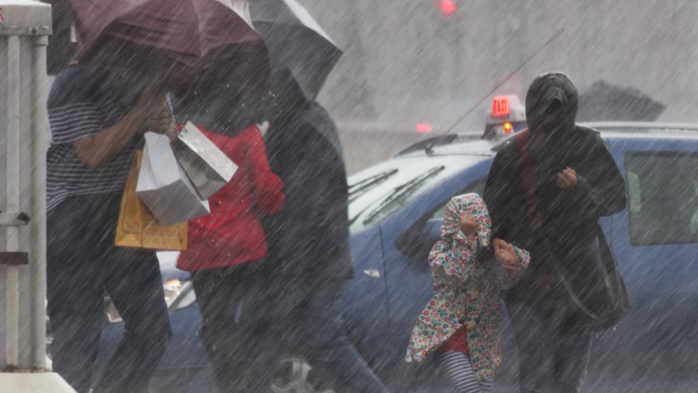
138	228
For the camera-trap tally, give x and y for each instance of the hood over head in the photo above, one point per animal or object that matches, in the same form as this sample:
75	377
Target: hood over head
470	205
551	104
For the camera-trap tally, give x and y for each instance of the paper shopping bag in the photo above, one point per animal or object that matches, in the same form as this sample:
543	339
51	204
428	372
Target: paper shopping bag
164	187
208	168
138	228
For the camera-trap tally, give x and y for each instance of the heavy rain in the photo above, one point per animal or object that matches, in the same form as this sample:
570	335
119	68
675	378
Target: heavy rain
312	196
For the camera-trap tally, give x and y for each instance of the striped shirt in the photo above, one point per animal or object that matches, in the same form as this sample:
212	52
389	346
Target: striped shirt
81	104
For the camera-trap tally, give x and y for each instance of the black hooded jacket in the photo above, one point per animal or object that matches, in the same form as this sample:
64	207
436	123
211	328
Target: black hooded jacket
569	218
309	239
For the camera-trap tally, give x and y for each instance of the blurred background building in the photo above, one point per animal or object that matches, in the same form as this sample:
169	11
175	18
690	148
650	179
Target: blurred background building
408	62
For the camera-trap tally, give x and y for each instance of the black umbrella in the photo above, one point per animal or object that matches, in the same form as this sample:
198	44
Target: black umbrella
606	102
295	40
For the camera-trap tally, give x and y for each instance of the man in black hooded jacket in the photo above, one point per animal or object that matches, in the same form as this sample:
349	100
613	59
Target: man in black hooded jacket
546	191
293	294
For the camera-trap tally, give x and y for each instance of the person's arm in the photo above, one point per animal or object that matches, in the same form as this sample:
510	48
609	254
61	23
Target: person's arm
456	253
457	259
497	194
510	263
600	191
95	150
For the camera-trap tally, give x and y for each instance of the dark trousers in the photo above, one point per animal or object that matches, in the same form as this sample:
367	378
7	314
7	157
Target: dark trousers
219	294
256	323
553	356
83	263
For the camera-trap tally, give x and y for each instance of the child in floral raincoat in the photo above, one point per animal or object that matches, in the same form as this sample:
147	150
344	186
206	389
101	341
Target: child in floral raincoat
462	320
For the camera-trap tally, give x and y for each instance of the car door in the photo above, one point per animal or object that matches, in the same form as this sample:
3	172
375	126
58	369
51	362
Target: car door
364	301
656	243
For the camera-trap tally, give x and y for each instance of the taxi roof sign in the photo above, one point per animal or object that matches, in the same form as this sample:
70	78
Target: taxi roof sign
505	109
500	106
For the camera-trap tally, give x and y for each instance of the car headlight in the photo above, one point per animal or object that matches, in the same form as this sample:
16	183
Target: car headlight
172	289
178	294
110	311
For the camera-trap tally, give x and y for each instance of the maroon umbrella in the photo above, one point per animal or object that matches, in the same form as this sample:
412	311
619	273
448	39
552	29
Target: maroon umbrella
173	40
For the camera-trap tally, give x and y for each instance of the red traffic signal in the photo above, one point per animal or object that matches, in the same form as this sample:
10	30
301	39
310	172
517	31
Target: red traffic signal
448	6
424	128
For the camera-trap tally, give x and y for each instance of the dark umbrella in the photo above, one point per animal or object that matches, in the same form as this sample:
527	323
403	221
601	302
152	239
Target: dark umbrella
174	40
613	103
295	40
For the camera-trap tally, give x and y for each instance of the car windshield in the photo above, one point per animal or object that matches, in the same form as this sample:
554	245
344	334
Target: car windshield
377	192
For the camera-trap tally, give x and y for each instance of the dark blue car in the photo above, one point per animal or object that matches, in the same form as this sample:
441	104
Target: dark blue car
395	213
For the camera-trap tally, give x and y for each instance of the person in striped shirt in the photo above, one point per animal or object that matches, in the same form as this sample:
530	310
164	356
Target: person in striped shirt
97	120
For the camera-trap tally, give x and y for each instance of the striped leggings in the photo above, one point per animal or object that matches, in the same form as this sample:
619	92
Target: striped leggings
457	367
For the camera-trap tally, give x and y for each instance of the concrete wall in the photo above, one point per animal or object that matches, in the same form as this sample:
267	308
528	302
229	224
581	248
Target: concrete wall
406	63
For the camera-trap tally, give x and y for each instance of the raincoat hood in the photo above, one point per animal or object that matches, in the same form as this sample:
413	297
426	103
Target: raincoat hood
551	104
470	205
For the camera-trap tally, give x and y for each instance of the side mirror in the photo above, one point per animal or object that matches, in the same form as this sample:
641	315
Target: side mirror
416	241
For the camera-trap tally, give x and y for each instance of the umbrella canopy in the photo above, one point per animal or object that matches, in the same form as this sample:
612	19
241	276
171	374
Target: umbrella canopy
174	38
613	103
295	40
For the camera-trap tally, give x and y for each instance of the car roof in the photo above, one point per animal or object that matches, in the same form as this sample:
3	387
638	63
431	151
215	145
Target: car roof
471	143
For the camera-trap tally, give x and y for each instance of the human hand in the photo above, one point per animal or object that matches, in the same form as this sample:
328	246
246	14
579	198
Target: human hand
505	255
566	179
467	225
162	122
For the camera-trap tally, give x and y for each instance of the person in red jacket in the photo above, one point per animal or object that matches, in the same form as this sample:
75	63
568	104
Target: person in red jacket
232	234
222	244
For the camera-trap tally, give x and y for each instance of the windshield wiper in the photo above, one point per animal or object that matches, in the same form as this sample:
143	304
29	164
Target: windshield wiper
358	189
401	191
369	181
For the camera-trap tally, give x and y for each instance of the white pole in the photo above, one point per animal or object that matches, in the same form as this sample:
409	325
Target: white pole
25	25
13	123
38	222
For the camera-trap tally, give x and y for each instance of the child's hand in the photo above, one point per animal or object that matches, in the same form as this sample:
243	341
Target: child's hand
505	255
467	225
497	360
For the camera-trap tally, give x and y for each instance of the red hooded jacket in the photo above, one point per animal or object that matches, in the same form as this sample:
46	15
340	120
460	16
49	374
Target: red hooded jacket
232	233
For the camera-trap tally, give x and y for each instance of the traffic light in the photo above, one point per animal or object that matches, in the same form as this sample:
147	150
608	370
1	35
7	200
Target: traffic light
424	128
448	6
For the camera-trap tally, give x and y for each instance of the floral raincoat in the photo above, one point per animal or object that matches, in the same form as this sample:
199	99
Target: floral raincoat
466	293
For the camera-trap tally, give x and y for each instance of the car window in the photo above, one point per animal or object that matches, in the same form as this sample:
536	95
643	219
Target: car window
383	189
477	187
663	197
